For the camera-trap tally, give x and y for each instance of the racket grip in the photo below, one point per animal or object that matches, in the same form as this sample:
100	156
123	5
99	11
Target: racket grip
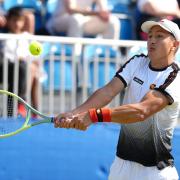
52	119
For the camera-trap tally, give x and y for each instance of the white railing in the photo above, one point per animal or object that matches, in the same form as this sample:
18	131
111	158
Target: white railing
84	65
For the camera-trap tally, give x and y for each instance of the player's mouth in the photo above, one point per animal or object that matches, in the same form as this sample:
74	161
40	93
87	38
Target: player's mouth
151	49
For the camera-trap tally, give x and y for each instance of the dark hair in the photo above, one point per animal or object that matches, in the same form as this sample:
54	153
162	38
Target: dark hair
16	11
178	1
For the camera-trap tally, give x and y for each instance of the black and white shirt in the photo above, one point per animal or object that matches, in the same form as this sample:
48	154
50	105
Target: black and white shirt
149	142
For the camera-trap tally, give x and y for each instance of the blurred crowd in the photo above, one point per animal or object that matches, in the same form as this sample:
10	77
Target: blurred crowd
90	18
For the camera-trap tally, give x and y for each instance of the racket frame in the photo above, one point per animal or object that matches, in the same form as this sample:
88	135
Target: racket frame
25	126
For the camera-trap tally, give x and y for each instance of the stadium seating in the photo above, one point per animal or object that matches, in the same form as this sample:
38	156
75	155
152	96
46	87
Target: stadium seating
54	53
50	7
127	28
124	13
121	8
34	4
113	3
103	59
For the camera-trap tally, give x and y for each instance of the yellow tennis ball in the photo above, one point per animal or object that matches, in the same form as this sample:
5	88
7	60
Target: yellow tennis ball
35	48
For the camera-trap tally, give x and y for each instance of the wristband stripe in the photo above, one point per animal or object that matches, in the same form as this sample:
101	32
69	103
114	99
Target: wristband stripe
99	115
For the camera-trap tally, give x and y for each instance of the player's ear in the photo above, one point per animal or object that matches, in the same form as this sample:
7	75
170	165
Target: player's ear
175	45
178	43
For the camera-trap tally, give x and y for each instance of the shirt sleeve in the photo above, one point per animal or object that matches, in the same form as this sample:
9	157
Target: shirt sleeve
125	73
171	88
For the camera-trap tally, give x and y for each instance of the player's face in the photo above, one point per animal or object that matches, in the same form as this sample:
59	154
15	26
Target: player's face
160	43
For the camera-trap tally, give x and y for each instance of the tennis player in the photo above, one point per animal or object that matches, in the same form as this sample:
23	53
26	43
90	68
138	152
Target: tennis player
149	112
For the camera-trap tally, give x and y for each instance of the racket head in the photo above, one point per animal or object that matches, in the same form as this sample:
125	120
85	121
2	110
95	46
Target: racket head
15	114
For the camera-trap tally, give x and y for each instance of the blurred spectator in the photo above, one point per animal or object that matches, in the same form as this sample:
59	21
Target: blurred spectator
155	10
2	21
2	16
29	24
84	17
12	49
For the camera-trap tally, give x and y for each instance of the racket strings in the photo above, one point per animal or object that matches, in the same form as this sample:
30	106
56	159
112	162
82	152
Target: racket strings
9	125
12	114
9	106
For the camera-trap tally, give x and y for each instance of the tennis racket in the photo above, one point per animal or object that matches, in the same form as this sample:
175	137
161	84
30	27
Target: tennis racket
16	115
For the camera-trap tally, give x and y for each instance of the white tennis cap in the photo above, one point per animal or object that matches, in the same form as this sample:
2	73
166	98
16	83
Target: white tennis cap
165	24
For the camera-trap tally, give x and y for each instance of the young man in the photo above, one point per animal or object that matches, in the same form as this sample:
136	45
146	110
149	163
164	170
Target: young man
149	112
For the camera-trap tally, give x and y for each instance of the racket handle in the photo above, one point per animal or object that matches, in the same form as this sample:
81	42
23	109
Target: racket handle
52	119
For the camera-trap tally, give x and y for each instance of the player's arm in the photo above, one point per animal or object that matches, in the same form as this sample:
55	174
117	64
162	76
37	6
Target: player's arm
152	102
98	99
102	96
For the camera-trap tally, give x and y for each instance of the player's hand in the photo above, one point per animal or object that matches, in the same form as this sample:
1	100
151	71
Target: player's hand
63	120
67	120
81	121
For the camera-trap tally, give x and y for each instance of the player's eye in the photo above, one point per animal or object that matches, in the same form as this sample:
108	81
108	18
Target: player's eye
159	36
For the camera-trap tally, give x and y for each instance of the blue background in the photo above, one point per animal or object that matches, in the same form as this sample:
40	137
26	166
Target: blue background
46	153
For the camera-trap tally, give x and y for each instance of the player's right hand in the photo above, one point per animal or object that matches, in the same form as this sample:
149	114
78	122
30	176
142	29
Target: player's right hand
79	121
63	120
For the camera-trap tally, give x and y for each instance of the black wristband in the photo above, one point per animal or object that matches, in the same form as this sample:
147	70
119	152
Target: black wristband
99	115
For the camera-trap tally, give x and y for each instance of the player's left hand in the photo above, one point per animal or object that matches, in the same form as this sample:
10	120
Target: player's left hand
79	121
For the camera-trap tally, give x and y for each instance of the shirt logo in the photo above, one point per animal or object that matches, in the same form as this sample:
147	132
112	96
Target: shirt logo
138	80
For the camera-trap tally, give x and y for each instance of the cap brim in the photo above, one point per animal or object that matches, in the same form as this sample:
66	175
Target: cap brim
146	26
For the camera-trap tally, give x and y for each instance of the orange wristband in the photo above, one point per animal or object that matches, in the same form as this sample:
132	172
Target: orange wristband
103	115
93	115
106	113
